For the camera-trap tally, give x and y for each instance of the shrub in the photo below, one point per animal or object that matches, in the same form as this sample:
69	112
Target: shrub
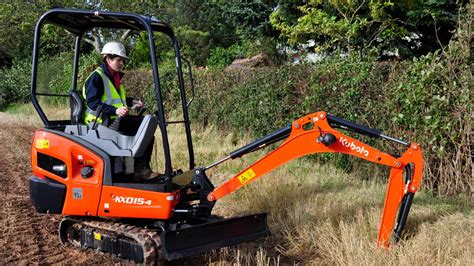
426	100
248	100
54	76
221	57
15	83
139	84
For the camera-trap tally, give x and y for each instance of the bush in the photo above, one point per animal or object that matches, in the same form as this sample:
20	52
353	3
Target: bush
15	83
221	57
54	76
248	100
139	84
426	100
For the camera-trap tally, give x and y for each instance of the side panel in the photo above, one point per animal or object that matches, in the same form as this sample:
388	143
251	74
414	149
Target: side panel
82	194
134	203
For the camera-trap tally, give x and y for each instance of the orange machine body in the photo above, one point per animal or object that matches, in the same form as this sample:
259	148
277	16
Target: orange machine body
89	196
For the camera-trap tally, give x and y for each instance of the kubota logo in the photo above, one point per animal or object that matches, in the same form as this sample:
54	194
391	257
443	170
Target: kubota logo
353	146
131	200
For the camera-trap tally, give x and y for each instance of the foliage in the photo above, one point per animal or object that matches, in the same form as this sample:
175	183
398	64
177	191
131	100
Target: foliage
195	44
206	25
222	57
14	83
249	18
139	84
403	28
18	19
54	76
259	100
425	100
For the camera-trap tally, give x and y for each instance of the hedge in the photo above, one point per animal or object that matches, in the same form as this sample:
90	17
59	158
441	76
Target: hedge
425	100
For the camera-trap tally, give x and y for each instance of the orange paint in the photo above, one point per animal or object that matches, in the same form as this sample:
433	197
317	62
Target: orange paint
88	196
303	141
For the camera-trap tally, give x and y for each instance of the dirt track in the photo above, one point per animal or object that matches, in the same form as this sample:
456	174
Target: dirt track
25	236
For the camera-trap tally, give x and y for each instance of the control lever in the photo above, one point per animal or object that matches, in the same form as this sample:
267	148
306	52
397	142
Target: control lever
99	113
116	124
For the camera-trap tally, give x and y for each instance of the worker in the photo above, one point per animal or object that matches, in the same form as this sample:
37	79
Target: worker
104	87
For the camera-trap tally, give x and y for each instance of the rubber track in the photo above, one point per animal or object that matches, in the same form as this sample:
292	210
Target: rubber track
147	238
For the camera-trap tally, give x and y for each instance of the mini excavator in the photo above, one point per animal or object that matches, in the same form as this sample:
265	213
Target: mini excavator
79	172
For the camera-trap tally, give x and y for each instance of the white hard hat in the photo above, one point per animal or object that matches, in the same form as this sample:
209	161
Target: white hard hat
114	48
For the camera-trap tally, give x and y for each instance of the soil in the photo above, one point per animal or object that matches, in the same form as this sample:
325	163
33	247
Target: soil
25	235
28	237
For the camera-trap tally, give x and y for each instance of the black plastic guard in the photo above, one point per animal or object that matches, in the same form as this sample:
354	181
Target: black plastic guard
47	195
208	236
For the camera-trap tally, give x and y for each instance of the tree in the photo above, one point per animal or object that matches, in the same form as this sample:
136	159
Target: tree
17	23
404	27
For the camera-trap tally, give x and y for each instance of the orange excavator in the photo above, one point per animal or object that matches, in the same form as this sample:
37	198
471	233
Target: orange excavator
79	170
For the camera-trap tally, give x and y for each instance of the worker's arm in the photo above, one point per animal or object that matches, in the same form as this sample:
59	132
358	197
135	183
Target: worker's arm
94	91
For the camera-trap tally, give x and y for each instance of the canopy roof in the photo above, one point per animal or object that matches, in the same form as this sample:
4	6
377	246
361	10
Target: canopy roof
79	21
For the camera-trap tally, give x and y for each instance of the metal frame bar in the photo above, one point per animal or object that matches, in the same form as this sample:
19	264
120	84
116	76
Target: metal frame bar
146	23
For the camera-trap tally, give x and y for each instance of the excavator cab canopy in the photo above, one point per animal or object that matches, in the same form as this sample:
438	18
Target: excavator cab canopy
79	22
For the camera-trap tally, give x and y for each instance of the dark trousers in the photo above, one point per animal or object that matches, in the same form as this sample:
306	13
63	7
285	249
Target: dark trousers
128	125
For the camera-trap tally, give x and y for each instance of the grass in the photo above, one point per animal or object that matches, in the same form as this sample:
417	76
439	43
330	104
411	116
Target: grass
318	214
59	112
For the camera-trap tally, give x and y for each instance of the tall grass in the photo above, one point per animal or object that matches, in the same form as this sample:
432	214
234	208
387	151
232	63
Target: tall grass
320	214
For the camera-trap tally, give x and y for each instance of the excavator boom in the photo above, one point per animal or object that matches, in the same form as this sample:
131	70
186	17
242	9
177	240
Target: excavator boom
313	134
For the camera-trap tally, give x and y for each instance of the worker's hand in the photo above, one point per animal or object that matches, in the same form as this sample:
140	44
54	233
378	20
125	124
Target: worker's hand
137	104
122	111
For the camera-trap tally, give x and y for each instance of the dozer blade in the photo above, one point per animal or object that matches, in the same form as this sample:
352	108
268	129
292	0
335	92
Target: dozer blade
204	237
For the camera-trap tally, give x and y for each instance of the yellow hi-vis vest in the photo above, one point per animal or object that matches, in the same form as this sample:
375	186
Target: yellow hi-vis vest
111	97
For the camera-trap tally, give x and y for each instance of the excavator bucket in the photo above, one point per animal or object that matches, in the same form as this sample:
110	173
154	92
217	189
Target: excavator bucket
192	240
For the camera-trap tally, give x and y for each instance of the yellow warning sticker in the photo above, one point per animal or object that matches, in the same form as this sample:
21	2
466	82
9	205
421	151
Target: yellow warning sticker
97	236
42	144
246	176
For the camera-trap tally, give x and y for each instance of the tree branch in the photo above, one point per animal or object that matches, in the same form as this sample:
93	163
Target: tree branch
339	10
96	43
357	9
125	35
436	34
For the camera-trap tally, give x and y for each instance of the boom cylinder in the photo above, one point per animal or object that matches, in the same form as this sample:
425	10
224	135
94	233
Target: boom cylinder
371	132
273	137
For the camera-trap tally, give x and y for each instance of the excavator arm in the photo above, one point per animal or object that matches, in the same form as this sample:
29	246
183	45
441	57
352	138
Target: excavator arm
314	133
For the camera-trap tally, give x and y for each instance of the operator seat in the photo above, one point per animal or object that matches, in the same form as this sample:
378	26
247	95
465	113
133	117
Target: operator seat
77	107
113	142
